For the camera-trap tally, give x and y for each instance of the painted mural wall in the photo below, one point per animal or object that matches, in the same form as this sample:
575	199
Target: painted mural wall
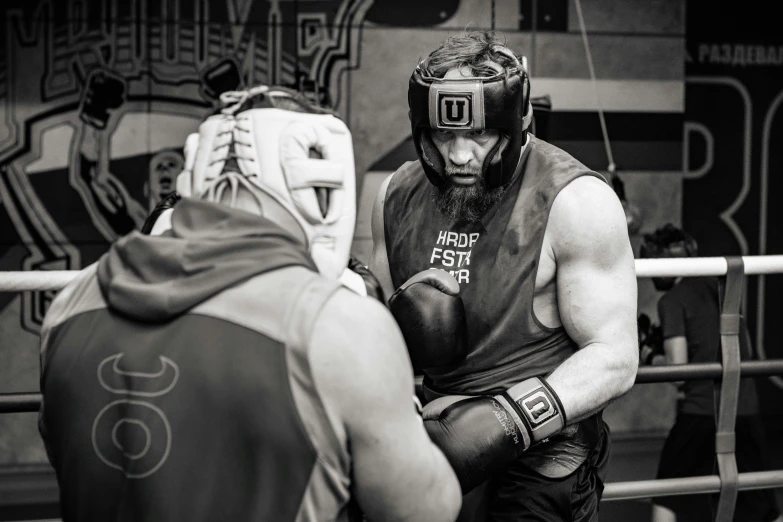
98	96
733	135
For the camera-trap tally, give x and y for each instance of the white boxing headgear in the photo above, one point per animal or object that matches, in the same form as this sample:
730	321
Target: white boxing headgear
255	155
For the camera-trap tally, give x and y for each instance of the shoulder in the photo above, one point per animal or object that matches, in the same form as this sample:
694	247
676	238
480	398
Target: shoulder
376	219
669	299
587	191
554	159
408	168
402	176
80	292
692	289
403	180
67	299
364	315
359	340
359	361
383	189
410	174
705	283
587	214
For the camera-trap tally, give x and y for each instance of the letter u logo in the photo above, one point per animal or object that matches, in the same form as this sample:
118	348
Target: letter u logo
455	110
537	407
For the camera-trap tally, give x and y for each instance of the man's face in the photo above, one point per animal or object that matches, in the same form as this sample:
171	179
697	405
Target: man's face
464	152
163	171
465	196
166	171
164	168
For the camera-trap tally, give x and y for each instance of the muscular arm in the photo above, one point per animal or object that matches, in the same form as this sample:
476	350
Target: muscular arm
673	326
596	294
362	371
676	350
379	263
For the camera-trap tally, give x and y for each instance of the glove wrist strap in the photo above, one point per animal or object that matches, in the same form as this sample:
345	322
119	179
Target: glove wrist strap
538	407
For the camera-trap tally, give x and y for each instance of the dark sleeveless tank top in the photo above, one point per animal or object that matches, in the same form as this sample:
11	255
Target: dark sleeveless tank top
495	261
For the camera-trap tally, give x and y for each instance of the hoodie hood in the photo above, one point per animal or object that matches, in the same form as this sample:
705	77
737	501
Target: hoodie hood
209	247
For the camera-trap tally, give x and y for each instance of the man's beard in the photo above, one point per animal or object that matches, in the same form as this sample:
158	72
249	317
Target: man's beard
466	203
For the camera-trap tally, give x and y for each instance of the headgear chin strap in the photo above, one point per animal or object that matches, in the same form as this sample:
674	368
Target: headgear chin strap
257	157
501	102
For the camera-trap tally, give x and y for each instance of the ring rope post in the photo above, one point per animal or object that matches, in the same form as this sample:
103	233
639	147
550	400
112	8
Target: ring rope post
727	390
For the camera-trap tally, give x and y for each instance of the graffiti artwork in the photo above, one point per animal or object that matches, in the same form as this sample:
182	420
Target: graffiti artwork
97	98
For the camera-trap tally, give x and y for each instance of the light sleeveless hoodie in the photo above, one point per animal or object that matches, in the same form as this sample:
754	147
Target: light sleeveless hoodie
176	379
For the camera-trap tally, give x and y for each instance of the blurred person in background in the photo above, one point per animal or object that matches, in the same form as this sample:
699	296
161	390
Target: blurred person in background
689	332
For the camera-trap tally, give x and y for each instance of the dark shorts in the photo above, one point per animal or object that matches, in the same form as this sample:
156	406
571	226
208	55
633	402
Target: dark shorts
521	494
689	451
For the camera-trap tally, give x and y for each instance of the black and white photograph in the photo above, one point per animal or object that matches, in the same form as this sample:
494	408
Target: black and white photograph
391	261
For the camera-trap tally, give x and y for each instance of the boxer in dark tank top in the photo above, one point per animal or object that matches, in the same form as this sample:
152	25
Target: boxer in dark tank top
536	247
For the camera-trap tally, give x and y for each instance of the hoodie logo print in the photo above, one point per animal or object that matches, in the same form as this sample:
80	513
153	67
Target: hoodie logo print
131	435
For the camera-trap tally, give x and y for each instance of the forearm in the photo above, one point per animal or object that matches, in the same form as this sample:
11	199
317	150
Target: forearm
591	378
445	504
424	488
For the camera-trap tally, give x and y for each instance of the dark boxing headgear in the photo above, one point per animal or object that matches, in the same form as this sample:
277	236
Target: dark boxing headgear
501	102
668	241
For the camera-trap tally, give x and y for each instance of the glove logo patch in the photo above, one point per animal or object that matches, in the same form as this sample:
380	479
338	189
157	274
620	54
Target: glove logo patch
538	407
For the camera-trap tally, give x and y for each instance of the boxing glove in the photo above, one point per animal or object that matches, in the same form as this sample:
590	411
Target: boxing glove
650	340
371	283
104	90
219	77
431	316
481	435
165	204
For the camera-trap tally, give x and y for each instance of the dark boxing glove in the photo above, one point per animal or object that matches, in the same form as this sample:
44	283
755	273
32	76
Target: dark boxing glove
650	340
431	316
165	204
220	77
371	283
480	436
103	91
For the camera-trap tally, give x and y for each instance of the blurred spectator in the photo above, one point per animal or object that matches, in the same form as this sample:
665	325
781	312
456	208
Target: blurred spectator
689	332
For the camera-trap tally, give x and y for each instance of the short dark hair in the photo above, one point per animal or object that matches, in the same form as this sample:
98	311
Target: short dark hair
470	49
669	237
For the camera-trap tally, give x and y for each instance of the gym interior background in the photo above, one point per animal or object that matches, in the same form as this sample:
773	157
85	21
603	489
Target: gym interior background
98	96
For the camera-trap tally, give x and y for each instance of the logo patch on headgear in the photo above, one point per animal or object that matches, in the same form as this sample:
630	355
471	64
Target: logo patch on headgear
537	407
455	109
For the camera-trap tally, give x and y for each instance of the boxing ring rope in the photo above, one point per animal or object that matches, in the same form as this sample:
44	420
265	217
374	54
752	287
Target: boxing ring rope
35	280
728	482
21	281
706	266
688	486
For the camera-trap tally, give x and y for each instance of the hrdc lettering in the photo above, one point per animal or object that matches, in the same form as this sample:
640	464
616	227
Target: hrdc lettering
454	260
